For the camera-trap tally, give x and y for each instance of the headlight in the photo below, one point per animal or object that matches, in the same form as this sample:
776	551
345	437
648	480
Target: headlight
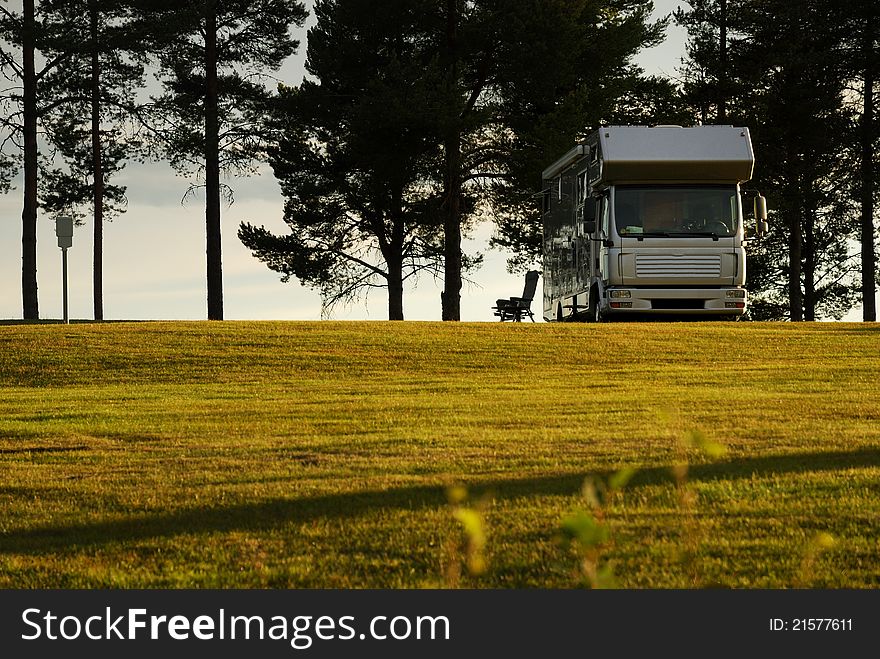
626	294
736	293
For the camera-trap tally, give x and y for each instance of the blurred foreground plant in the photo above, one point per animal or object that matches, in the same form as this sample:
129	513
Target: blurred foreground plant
586	533
690	442
818	544
467	550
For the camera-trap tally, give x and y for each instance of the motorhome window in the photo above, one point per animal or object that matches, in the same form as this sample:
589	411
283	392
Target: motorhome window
583	187
710	210
606	220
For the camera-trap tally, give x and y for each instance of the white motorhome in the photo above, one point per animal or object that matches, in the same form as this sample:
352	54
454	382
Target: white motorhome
648	221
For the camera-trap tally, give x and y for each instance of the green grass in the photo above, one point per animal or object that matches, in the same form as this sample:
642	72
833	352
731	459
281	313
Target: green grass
320	454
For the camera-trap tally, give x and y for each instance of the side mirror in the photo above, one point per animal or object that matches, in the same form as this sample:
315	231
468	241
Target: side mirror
761	208
761	215
590	210
590	227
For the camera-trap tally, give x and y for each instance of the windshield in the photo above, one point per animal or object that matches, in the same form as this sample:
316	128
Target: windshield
676	210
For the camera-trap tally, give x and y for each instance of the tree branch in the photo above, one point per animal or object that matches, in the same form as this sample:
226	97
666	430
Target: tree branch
350	257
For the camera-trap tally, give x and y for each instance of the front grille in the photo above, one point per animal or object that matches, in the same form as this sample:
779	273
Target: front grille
671	303
666	266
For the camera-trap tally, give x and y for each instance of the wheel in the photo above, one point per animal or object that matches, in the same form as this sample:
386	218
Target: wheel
594	311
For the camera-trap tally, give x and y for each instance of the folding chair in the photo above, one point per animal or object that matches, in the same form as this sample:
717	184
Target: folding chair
515	308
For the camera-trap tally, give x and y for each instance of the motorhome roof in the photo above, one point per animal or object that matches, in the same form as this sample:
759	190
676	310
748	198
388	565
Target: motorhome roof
565	162
673	153
668	153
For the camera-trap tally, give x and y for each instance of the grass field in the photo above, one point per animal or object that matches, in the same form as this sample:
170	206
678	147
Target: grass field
412	455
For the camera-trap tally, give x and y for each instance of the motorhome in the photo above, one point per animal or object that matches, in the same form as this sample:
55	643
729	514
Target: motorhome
648	221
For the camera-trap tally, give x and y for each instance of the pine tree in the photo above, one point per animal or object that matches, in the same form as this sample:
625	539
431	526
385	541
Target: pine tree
354	156
708	79
868	155
510	67
860	65
89	104
500	85
789	89
21	31
22	37
801	132
578	77
214	57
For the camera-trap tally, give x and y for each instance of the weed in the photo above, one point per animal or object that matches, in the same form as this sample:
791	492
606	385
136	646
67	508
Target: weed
692	536
818	544
467	550
586	533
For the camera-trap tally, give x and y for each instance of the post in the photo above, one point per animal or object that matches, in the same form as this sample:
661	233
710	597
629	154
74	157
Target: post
64	232
64	279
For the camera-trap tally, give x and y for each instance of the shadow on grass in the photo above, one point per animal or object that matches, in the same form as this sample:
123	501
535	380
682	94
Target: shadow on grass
58	321
275	513
42	449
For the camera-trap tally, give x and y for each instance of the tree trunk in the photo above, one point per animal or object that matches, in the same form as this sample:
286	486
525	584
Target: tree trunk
451	297
722	60
395	289
30	302
809	259
452	231
795	296
394	256
97	169
869	258
212	168
795	242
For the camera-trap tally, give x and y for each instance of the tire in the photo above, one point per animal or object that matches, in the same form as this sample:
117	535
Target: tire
594	311
559	313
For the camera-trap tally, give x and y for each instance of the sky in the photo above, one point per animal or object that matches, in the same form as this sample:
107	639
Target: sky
154	254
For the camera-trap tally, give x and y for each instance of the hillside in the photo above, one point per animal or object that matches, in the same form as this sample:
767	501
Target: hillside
424	454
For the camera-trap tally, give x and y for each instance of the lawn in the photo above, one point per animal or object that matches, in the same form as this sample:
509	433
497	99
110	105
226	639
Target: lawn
409	455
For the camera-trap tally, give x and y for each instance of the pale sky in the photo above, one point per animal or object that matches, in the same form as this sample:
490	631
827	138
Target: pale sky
154	254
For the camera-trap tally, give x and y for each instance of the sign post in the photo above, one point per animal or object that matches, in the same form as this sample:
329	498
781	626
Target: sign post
64	231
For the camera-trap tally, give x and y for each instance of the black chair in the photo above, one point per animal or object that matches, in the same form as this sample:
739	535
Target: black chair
516	308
